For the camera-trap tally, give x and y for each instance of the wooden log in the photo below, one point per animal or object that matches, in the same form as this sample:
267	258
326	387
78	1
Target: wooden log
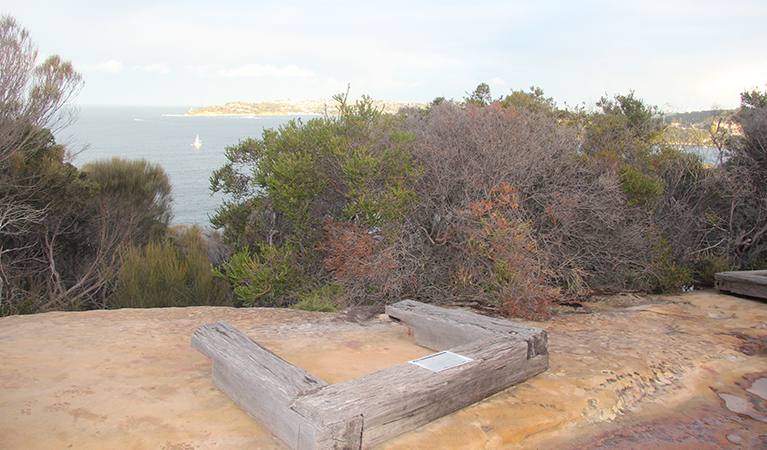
752	283
441	328
399	399
306	413
260	382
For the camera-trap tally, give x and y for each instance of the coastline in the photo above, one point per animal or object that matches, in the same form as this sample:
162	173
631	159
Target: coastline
291	108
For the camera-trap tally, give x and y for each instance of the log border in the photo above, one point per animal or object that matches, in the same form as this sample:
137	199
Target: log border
307	413
752	283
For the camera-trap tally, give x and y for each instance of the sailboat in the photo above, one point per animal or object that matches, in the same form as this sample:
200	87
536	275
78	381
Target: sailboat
197	142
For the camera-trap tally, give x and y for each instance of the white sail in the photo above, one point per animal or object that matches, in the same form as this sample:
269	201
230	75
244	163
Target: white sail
197	142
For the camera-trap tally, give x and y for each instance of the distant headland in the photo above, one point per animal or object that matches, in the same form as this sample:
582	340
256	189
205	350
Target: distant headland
290	107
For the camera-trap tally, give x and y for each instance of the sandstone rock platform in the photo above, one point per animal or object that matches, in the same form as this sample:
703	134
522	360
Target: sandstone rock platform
687	371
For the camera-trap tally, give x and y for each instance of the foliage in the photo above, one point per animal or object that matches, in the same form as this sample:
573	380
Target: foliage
140	192
172	273
502	257
262	279
707	266
40	193
34	96
670	276
349	247
512	205
571	212
62	230
479	97
640	188
534	101
750	149
326	298
351	168
743	183
624	132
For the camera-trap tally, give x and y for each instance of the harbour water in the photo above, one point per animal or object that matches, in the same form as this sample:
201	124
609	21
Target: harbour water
164	136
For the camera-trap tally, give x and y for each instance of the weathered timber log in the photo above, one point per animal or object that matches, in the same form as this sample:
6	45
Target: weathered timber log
752	283
306	413
441	328
399	399
260	382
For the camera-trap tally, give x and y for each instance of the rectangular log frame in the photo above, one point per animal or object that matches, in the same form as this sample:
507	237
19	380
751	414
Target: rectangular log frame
752	283
307	413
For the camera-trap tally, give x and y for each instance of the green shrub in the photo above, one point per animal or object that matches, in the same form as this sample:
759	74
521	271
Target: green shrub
261	279
138	191
640	189
670	276
708	265
327	298
175	272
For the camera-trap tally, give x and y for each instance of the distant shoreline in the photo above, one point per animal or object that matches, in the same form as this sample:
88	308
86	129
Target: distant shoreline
290	108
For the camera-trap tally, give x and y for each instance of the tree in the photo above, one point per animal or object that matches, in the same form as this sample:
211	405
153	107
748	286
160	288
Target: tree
480	97
137	193
533	101
750	149
33	103
62	230
742	218
626	136
32	98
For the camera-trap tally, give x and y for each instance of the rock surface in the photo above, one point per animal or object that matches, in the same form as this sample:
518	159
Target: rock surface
686	371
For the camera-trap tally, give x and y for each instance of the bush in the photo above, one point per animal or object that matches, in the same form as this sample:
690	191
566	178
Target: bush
352	169
707	266
327	298
173	273
669	275
136	192
263	278
511	204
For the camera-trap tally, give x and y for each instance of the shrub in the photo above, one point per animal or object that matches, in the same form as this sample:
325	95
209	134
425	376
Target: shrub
355	168
708	265
137	192
172	273
669	276
373	264
326	298
263	278
502	258
512	204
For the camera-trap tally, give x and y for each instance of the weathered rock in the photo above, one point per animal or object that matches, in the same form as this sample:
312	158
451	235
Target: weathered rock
646	376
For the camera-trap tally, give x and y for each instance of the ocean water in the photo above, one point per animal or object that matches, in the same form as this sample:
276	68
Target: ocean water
164	136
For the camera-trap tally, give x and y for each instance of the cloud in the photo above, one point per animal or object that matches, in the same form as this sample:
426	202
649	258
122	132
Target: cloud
111	66
269	70
201	70
152	68
253	71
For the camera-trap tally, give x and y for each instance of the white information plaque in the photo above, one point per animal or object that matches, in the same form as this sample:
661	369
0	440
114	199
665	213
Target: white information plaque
441	361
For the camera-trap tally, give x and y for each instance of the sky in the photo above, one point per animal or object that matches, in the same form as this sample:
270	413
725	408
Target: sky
677	55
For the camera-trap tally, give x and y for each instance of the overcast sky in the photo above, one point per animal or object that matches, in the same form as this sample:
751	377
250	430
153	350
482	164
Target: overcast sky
679	55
